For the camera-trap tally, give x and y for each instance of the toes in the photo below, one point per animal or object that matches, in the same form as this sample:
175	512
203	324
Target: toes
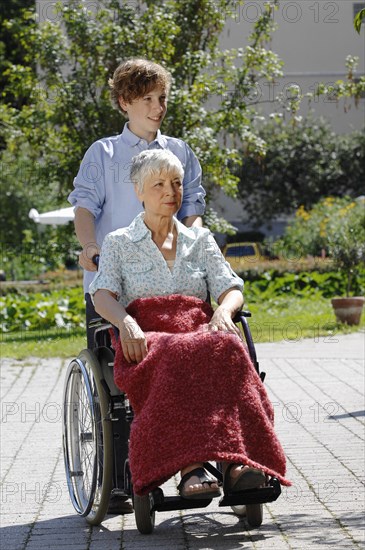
200	487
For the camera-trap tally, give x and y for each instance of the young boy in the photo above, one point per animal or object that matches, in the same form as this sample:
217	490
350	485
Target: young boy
104	196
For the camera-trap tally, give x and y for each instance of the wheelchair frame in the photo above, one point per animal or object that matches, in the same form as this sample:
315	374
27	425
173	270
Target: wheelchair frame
96	424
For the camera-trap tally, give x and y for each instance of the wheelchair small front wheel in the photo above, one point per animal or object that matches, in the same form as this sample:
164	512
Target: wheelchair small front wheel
254	514
145	518
239	510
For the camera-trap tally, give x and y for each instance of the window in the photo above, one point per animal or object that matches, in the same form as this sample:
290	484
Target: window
240	250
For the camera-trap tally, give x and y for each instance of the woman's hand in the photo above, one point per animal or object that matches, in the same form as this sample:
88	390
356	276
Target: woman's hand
222	320
133	340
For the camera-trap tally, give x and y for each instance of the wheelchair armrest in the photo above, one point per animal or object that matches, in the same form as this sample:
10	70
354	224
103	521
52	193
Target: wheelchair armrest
240	314
98	322
245	313
102	324
240	317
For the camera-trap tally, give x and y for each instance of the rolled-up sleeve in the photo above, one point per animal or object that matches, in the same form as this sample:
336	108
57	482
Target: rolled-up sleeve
109	275
220	276
89	184
193	198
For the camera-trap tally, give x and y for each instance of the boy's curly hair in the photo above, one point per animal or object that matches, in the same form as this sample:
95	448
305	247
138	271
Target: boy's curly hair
136	77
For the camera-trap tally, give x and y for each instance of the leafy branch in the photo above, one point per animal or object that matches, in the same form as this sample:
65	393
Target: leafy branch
359	17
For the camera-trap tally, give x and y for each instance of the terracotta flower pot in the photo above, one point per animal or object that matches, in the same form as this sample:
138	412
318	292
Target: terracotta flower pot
348	310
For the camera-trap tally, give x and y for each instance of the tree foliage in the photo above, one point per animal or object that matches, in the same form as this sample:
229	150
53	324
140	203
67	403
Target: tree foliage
11	52
51	115
303	163
67	104
358	20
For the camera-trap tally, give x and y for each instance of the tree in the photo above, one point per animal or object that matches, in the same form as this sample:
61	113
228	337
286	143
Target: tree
66	101
68	104
359	18
11	53
303	163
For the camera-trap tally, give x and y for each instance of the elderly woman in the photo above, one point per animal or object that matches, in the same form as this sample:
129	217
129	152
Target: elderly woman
195	393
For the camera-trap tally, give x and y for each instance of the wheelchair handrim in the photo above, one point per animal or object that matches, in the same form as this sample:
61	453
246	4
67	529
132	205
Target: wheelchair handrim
75	491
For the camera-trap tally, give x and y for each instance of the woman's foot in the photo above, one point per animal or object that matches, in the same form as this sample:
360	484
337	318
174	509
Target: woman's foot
195	483
238	477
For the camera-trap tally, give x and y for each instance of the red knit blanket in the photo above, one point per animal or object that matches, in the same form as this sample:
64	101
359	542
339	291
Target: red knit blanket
196	396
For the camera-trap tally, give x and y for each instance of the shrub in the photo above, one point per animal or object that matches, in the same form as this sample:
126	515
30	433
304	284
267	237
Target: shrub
335	226
41	311
303	163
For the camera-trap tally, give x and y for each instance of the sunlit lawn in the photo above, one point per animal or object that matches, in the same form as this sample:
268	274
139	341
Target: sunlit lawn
47	343
292	318
282	318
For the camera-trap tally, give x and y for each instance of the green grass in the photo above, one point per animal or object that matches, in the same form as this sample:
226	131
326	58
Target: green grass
293	318
282	318
47	343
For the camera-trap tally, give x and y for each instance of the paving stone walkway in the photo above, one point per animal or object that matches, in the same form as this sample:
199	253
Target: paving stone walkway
317	387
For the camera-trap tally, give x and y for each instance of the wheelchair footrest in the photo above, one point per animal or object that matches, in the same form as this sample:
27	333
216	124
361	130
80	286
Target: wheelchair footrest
121	493
167	504
253	496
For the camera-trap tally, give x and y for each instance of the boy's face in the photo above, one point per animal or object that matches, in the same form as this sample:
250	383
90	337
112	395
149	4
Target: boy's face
146	113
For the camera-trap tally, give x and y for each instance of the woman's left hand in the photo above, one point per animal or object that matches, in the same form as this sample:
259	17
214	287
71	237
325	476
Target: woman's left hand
222	320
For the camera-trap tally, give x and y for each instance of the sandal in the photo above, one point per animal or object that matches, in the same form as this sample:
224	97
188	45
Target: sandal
203	478
251	478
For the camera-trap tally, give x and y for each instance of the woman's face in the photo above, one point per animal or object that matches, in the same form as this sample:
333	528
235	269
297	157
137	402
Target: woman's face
162	193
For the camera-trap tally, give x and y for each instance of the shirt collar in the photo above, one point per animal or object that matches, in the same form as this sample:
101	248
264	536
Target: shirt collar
132	139
137	229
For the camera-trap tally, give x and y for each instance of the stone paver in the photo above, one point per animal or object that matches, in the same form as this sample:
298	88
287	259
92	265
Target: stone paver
317	390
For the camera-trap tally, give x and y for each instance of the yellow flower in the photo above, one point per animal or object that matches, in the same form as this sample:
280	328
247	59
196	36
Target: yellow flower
302	213
323	227
343	211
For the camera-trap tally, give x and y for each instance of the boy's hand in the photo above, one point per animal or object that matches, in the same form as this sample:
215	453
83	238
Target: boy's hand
86	256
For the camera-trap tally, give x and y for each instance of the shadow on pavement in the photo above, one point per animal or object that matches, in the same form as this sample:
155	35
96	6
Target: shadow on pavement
215	531
347	415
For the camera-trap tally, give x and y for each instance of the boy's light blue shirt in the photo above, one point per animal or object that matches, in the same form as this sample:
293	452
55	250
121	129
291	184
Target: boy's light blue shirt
103	184
132	266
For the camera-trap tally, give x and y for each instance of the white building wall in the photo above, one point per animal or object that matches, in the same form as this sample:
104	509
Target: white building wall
313	39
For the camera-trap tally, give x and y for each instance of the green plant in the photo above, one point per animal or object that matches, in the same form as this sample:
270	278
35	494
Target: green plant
303	163
334	226
359	17
37	251
283	317
62	310
346	241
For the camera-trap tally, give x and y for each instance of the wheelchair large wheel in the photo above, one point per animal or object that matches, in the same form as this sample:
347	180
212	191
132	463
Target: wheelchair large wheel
145	519
254	514
87	438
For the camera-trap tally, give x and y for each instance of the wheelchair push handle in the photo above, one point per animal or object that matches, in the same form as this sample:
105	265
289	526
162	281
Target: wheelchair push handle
95	259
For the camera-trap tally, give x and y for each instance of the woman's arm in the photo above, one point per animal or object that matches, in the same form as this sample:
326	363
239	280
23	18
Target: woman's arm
132	338
229	302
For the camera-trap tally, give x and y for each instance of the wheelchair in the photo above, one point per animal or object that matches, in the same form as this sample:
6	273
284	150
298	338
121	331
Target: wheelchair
96	422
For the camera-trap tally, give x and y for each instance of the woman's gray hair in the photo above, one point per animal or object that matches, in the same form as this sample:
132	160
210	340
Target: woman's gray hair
152	162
